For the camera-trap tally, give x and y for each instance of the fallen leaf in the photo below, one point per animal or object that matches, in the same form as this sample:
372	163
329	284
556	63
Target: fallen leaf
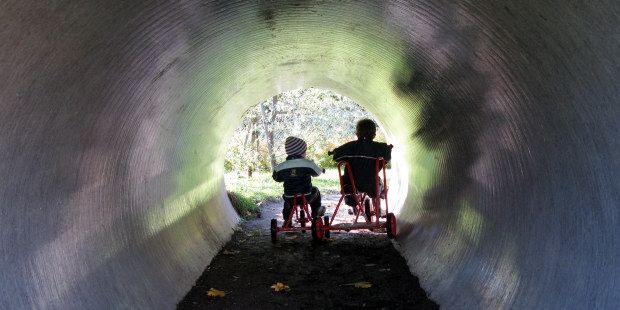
253	233
361	284
279	286
215	293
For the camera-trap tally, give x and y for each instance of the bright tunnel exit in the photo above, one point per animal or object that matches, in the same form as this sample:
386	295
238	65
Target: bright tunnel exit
323	119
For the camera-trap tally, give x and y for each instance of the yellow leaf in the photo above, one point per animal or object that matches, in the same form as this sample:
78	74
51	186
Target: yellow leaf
215	293
362	284
279	286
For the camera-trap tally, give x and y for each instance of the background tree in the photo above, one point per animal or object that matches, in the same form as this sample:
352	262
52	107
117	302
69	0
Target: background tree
322	118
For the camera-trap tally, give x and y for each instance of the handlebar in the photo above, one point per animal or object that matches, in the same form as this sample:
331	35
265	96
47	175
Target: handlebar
331	152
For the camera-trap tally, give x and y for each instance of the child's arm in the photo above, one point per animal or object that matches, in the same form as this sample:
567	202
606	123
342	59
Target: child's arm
388	152
276	176
335	153
316	170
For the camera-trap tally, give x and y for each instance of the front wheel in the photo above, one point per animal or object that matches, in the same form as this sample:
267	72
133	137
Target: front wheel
317	229
302	218
390	225
274	230
367	210
326	223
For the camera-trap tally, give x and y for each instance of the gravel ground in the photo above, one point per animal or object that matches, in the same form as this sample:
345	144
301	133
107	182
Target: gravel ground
318	275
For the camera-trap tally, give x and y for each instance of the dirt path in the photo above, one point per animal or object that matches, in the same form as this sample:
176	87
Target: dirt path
320	276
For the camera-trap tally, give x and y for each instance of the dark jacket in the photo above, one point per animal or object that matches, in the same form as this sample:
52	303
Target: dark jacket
296	173
362	155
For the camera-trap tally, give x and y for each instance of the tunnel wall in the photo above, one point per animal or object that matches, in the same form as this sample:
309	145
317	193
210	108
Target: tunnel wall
115	118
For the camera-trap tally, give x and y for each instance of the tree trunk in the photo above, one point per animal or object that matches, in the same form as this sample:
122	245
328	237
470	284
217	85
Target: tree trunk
248	148
268	133
248	133
274	101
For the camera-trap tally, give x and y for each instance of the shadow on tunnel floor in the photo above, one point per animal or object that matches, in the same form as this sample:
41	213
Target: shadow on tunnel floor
320	276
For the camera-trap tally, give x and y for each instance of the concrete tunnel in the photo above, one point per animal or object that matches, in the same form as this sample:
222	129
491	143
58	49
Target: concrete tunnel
115	116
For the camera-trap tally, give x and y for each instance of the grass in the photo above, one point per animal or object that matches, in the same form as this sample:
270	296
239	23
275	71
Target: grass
246	194
244	206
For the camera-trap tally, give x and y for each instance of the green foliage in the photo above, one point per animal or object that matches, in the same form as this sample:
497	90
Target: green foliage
228	165
327	186
252	191
258	188
244	206
325	161
322	118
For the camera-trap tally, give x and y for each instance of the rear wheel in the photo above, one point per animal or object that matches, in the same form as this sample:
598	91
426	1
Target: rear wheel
326	223
390	225
317	229
302	218
274	230
367	210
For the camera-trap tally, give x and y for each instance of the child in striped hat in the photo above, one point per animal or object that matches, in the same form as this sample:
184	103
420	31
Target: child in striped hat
296	173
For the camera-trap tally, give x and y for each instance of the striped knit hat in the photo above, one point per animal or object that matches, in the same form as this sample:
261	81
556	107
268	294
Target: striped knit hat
294	146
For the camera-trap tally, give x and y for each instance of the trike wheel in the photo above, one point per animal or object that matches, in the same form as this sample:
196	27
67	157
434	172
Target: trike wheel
274	230
390	225
317	229
367	210
326	223
302	219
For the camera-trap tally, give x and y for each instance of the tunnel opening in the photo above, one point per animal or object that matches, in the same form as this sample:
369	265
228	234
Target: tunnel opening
323	118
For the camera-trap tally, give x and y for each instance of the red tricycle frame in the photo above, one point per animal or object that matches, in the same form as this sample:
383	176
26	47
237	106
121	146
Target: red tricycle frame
322	226
371	211
300	204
